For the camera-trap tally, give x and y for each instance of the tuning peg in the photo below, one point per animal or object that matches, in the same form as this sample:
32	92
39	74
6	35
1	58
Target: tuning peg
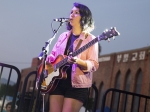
113	37
110	35
106	30
108	40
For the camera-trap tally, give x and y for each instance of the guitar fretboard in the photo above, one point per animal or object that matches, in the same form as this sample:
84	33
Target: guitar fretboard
61	63
104	36
75	53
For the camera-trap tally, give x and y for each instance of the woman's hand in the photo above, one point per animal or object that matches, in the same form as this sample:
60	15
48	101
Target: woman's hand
74	60
71	60
50	59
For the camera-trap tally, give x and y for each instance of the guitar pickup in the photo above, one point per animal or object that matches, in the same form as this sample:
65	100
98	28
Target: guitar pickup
44	87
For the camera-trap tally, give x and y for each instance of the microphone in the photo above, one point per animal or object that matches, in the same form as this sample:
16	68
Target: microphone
62	20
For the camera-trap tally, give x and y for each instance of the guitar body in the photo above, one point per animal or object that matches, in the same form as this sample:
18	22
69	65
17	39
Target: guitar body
51	77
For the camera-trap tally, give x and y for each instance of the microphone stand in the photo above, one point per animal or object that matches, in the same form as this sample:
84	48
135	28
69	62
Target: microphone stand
43	55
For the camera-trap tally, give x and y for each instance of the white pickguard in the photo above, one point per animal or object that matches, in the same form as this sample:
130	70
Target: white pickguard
50	76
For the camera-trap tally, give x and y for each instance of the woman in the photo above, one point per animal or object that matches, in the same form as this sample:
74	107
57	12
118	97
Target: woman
72	92
8	107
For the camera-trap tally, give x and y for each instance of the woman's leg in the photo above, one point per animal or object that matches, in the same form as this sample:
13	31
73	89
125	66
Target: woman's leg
71	105
56	103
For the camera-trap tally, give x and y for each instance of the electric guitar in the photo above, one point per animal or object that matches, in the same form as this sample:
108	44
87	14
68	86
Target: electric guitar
56	70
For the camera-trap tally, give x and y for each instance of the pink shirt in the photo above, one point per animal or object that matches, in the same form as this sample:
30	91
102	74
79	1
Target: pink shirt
79	78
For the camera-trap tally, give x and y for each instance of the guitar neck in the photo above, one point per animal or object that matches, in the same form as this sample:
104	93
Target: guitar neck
86	46
75	53
61	63
104	36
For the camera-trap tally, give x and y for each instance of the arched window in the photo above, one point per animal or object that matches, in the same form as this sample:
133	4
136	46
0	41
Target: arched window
116	95
138	81
138	84
117	80
127	81
101	92
126	88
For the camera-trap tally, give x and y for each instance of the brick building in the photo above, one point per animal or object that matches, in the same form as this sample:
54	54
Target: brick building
126	70
26	71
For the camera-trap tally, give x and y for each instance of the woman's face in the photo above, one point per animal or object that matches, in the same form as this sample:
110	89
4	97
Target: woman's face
75	17
8	108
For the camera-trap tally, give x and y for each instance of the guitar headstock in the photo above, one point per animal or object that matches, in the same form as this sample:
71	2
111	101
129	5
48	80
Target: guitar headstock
109	34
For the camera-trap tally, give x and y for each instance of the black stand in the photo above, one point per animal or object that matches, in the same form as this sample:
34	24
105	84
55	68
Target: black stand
43	55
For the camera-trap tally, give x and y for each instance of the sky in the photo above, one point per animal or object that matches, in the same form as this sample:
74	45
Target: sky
25	26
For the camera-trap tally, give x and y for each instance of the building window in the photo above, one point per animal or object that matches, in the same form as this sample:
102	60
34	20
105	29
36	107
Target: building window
116	94
138	80
127	88
117	80
138	84
127	81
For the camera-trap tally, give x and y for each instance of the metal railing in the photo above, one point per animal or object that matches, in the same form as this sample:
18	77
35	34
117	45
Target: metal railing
35	98
124	101
23	95
38	97
10	68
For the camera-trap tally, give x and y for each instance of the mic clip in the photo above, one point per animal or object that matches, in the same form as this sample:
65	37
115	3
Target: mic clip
62	20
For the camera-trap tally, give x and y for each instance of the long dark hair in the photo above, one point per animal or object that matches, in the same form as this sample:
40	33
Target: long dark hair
86	22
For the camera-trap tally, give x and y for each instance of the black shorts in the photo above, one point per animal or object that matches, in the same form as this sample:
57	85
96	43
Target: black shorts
80	94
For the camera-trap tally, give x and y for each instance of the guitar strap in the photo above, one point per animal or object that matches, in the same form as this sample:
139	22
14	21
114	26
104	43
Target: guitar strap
80	41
